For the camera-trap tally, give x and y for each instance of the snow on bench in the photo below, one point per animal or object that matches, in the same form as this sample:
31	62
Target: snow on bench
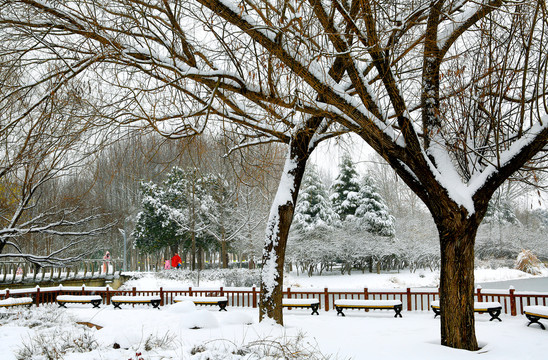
494	308
534	313
222	301
341	304
313	304
95	300
12	301
123	299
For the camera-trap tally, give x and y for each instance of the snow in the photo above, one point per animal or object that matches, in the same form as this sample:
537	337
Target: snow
477	305
211	299
69	298
334	280
128	298
287	302
15	301
186	331
536	310
372	303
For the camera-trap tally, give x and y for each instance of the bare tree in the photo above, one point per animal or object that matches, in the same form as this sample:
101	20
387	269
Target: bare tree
44	139
451	93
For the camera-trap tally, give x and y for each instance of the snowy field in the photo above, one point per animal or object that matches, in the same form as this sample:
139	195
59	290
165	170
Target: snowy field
334	280
169	333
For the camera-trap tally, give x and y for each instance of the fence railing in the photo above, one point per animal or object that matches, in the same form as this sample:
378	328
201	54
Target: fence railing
21	272
413	299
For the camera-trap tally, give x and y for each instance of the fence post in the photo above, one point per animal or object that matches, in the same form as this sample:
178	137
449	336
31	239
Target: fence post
134	291
221	291
479	293
83	289
190	291
254	297
365	294
161	296
37	295
409	304
108	295
7	294
288	293
513	309
326	294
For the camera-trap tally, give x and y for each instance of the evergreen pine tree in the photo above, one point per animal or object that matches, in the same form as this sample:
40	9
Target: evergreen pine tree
372	213
345	189
500	212
172	211
313	206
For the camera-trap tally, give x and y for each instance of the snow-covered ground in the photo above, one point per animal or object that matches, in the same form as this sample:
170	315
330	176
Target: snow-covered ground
236	334
334	280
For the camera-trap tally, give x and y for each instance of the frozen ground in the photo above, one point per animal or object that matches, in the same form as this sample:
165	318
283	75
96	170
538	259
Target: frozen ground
169	333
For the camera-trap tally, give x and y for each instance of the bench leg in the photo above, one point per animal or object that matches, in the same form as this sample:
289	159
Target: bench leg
95	303
116	305
315	308
436	312
534	320
339	311
397	309
222	306
61	304
155	304
494	314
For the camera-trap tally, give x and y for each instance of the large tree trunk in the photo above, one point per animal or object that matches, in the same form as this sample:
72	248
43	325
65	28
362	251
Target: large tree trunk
457	231
457	289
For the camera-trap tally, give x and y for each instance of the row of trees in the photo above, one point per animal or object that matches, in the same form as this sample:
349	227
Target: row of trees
451	94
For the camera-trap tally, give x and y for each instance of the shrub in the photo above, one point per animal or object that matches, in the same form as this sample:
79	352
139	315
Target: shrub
529	263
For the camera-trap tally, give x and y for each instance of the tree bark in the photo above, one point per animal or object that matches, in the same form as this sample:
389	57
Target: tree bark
457	232
457	291
279	223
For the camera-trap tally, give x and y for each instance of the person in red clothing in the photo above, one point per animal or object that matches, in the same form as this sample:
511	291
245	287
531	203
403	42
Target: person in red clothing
176	261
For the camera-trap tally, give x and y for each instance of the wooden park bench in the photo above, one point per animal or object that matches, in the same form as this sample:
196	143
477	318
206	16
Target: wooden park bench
95	300
494	308
313	304
14	301
534	313
221	301
122	299
395	305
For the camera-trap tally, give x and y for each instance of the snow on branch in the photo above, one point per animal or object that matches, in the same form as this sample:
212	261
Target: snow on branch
511	157
470	14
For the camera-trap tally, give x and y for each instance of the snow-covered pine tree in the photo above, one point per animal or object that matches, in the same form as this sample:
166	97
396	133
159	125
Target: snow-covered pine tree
180	209
345	189
313	207
372	213
313	221
500	211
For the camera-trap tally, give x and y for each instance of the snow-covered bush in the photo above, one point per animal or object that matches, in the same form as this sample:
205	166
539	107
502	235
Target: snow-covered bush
298	347
54	343
40	317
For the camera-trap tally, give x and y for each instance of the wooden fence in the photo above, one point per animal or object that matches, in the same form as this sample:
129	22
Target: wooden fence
413	299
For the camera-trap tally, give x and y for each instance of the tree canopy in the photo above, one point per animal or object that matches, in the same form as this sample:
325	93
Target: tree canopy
451	93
